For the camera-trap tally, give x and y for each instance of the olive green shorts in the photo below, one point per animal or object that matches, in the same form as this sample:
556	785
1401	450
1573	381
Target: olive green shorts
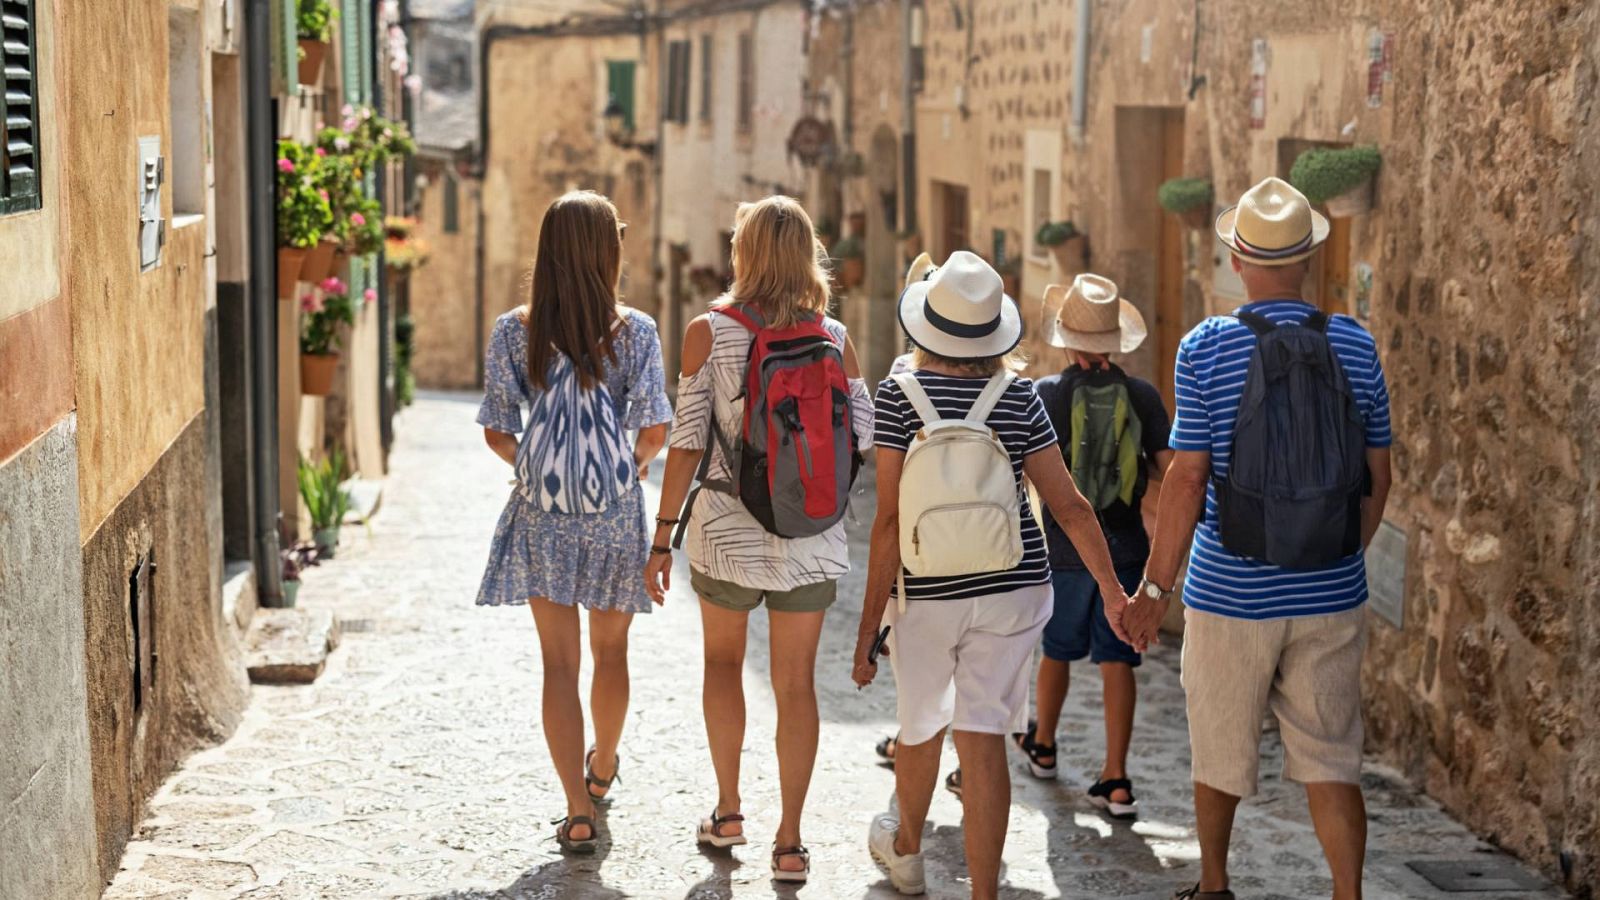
726	594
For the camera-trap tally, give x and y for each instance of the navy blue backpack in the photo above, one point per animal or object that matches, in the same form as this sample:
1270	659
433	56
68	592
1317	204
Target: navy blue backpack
1292	495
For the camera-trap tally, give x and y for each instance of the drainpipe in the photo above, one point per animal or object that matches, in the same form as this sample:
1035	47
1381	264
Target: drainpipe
1080	72
908	133
385	298
262	131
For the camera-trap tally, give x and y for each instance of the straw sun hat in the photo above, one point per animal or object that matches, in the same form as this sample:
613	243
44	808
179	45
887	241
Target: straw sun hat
1091	317
1272	225
960	310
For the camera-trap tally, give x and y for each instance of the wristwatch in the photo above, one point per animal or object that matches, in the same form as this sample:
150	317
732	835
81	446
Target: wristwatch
1149	590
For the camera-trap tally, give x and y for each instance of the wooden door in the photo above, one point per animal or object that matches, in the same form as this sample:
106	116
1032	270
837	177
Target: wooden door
1169	325
953	230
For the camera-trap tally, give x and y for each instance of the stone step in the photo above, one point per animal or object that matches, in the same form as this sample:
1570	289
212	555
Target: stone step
289	646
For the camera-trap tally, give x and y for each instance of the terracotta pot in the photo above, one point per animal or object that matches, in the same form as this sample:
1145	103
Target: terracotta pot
290	261
314	52
316	373
319	261
852	272
1354	202
1069	254
1199	218
858	224
341	255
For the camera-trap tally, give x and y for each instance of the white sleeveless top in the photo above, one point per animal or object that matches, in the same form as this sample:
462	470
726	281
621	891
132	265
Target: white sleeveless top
723	540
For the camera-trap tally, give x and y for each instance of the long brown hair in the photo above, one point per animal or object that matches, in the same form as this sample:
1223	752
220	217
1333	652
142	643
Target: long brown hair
573	305
779	265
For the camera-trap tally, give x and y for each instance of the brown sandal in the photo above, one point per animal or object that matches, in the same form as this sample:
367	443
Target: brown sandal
581	846
710	831
792	876
592	781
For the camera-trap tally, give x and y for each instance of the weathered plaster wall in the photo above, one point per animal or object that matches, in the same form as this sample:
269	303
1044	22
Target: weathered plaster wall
46	811
443	293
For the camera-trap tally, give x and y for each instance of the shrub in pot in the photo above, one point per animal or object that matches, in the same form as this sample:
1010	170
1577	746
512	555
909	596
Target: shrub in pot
1189	198
327	502
1065	242
313	28
296	560
1340	177
323	311
304	213
852	262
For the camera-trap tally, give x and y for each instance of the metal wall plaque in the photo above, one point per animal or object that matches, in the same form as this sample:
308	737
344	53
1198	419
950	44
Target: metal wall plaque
1386	573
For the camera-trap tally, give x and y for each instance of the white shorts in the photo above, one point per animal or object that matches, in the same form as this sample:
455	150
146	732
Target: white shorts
964	664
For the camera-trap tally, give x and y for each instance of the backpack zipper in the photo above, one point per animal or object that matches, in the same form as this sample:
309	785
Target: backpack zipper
916	538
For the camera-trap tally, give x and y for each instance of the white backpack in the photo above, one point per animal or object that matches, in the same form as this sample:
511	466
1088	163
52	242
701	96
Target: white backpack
960	507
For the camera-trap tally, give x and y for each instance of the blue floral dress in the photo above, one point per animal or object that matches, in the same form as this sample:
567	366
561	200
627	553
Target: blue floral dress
593	560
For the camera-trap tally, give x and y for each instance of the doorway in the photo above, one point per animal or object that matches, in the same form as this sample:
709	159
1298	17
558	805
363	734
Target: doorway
1148	244
1328	279
1170	276
950	212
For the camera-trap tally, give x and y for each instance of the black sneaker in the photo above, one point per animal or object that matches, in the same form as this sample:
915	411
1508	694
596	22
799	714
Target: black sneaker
1041	757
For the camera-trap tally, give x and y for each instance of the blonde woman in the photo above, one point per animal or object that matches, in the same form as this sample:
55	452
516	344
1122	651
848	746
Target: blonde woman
779	278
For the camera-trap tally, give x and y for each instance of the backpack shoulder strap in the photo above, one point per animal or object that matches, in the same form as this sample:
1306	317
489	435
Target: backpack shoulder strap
984	405
1317	321
747	316
918	397
1256	322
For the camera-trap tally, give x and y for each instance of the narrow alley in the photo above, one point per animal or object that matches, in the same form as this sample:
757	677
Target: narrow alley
413	767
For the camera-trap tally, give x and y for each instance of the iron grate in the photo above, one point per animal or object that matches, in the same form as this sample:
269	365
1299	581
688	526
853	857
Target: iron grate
1492	873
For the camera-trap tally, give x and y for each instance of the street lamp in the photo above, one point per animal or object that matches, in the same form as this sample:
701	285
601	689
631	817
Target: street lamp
617	129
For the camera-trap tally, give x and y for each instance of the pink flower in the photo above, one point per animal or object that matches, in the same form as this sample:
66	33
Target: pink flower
311	303
332	285
348	110
285	165
321	152
369	295
341	144
321	192
357	219
388	133
350	123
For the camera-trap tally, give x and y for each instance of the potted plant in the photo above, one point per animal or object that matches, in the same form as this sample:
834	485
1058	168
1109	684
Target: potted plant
1341	177
1065	242
366	227
303	211
296	560
402	252
405	347
1011	276
327	502
857	222
826	230
324	309
1189	198
313	27
852	262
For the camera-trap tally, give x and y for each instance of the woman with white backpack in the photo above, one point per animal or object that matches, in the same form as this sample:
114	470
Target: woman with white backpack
573	534
964	557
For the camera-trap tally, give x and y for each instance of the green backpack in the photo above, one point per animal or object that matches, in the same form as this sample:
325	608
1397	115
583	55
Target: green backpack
1105	441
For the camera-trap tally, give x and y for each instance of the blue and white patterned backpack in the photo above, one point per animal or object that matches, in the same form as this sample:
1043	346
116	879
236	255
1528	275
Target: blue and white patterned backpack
574	456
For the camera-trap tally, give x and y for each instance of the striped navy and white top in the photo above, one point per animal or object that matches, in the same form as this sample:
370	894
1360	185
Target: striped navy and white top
1213	361
1020	420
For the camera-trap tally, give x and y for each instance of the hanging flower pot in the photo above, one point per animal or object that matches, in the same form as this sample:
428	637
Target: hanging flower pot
319	261
1198	218
1354	202
312	53
1069	254
290	261
316	373
1190	199
1340	177
858	223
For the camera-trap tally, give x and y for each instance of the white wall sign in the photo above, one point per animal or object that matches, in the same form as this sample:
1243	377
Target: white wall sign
1386	573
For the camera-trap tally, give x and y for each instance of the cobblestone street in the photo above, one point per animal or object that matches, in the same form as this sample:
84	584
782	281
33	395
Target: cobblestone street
414	767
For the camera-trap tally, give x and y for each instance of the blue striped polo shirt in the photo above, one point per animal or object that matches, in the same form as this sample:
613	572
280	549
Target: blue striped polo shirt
1213	360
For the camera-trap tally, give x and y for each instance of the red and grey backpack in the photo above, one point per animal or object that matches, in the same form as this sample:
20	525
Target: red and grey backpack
796	455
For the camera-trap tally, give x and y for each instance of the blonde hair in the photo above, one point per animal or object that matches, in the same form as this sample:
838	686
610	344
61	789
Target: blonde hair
779	266
1015	360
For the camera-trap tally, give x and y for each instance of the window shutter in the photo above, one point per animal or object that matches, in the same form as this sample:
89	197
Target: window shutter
705	77
747	86
619	87
286	50
677	98
19	125
350	49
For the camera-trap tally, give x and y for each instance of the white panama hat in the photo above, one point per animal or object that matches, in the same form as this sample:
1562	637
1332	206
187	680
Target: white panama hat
960	310
1272	225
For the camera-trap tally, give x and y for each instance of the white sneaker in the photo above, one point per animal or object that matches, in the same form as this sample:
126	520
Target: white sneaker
905	872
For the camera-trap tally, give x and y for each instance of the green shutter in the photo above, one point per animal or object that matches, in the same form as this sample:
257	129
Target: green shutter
286	46
619	87
350	49
19	112
365	38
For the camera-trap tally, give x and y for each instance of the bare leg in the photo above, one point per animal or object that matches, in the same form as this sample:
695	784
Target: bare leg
1340	817
722	696
1121	693
986	802
1213	814
916	774
608	694
1051	692
794	638
560	647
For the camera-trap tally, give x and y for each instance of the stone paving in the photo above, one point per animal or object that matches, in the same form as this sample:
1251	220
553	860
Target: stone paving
414	768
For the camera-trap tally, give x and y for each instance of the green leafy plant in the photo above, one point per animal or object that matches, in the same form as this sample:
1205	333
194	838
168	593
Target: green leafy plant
324	311
366	227
314	19
367	138
405	384
1324	172
304	212
1054	234
849	248
1180	195
321	488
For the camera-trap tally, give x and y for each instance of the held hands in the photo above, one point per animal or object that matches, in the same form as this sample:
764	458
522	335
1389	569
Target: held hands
1141	621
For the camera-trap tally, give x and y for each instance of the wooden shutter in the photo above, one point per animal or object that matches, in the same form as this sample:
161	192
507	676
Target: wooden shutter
619	87
747	82
678	81
705	77
19	124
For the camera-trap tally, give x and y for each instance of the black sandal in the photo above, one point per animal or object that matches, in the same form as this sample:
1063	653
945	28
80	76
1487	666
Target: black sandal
710	831
582	846
592	781
792	876
887	748
1194	893
1041	758
1100	795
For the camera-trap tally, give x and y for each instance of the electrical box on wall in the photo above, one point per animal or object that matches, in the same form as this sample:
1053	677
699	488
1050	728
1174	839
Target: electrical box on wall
152	227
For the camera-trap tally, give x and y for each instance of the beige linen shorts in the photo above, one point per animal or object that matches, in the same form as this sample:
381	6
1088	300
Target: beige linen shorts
1307	671
964	664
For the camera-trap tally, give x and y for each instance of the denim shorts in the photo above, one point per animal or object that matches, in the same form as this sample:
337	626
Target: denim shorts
1078	627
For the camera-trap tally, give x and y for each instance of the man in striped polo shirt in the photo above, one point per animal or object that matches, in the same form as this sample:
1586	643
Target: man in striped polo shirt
1260	637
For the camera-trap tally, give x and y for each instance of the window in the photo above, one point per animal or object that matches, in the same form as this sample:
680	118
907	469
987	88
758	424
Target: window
452	204
19	126
619	88
747	82
447	64
705	77
185	101
677	99
1041	209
